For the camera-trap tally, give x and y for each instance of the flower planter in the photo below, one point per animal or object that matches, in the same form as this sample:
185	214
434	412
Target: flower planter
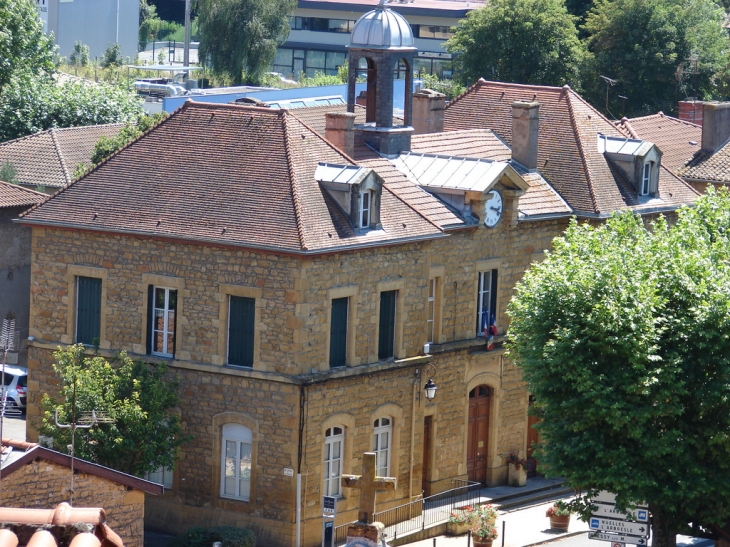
481	542
516	477
560	522
457	528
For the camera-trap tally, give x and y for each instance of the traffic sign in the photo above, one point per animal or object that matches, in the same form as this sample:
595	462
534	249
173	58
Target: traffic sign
610	511
640	529
617	538
329	505
605	496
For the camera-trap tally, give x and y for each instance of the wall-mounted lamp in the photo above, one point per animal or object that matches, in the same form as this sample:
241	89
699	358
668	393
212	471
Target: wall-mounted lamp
430	387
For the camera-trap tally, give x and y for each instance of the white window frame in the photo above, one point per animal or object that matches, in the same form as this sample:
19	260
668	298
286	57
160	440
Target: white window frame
382	435
431	312
481	292
241	440
161	475
366	209
334	444
646	179
166	320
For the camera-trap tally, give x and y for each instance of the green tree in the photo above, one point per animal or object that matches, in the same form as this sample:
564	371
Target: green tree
29	104
658	50
238	38
139	398
621	335
23	46
112	56
80	55
524	41
8	172
106	146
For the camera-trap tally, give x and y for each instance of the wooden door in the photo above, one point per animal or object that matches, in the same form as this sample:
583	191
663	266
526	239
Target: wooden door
427	427
532	440
480	402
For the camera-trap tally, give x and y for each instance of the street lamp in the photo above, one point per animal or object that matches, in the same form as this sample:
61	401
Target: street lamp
430	387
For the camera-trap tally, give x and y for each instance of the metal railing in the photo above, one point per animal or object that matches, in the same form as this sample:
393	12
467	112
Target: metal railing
419	514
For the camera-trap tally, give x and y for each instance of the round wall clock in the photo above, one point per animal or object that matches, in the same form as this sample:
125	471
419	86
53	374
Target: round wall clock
493	209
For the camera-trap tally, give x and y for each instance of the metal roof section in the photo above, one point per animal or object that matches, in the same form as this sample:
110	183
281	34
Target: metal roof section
621	147
382	28
307	102
451	173
345	175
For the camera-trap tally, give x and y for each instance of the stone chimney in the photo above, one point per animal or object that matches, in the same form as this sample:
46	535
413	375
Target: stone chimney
715	126
340	131
690	111
525	121
428	112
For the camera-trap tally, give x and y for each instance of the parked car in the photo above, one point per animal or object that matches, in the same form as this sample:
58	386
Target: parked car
16	382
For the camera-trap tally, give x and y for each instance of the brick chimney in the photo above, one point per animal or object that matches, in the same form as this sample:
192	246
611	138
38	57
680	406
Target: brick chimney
340	131
715	125
428	112
525	121
690	111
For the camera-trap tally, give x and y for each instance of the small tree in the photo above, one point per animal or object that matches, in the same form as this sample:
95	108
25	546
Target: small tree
112	56
8	172
621	334
106	146
80	55
139	398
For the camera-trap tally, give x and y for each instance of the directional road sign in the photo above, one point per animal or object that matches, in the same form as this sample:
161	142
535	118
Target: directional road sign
608	497
640	529
610	511
617	538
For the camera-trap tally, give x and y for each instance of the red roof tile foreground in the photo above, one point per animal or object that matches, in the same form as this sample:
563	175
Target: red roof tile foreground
228	175
63	526
49	158
709	167
677	139
12	195
568	155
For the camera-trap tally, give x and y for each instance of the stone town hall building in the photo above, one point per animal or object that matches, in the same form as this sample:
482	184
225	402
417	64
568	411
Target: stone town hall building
292	281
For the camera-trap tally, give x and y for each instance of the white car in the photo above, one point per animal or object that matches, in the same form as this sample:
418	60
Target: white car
16	390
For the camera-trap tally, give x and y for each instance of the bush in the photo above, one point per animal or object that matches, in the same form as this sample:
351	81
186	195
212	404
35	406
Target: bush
112	56
229	536
80	55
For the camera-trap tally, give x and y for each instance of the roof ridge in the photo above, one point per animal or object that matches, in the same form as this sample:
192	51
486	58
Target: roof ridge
293	180
591	189
482	81
57	148
464	93
23	188
661	114
632	132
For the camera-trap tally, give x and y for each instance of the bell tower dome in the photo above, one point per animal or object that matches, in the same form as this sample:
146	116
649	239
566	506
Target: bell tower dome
383	38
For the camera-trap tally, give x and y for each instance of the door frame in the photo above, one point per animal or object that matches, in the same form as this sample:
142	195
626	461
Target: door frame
491	380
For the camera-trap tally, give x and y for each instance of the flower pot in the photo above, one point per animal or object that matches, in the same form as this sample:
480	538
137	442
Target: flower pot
481	542
516	477
560	522
457	528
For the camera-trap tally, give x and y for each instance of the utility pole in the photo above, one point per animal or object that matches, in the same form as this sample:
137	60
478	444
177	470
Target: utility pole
186	50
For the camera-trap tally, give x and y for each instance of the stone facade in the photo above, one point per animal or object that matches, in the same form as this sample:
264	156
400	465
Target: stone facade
290	396
43	485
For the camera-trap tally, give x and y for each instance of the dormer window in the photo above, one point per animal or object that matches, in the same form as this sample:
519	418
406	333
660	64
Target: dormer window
366	203
637	160
646	178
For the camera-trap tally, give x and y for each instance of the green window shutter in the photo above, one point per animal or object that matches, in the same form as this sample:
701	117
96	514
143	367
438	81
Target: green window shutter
387	324
241	321
88	310
338	333
150	316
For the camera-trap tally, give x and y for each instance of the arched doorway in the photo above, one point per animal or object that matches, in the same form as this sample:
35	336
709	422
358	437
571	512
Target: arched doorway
480	404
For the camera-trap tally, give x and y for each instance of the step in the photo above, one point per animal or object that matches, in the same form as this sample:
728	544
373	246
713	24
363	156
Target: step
534	498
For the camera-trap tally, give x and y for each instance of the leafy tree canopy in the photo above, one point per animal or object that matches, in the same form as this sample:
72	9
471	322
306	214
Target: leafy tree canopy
23	46
658	50
523	41
30	104
621	334
138	398
238	38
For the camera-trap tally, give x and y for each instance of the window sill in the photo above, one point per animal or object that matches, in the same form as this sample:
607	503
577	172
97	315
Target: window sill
478	343
231	498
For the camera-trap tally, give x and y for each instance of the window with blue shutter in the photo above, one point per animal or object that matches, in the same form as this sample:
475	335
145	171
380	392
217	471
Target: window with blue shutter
88	310
338	332
241	322
387	324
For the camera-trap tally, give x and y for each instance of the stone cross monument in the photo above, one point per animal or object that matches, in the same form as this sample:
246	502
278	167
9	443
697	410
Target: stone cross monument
365	532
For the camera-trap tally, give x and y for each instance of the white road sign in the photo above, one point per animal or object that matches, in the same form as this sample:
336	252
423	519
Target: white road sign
617	538
609	497
610	511
640	529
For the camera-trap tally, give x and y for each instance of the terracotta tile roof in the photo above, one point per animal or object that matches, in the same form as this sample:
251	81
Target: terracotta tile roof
709	167
12	195
24	453
230	175
678	140
541	199
315	116
49	158
472	143
568	157
63	526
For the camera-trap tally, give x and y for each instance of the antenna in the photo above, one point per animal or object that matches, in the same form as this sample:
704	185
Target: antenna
610	82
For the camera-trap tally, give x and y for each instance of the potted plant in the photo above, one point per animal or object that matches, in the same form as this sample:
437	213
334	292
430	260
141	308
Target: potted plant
459	521
559	515
483	529
517	471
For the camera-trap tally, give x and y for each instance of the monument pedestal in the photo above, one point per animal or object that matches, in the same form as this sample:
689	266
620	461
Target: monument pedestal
360	534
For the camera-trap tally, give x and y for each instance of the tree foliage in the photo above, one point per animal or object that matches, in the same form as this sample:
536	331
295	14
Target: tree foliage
8	172
30	104
523	41
106	146
238	38
621	334
139	398
24	48
658	50
80	55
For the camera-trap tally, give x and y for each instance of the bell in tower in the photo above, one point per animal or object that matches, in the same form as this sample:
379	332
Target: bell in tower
384	40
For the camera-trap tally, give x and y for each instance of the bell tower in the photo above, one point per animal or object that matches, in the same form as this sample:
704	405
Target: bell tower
382	40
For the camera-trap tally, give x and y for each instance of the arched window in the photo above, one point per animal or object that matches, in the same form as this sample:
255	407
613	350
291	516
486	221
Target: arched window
382	434
236	462
334	438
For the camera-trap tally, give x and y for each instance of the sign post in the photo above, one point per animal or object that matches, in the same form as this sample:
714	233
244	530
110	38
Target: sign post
620	528
329	511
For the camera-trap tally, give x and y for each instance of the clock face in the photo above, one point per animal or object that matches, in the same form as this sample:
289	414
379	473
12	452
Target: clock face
493	209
